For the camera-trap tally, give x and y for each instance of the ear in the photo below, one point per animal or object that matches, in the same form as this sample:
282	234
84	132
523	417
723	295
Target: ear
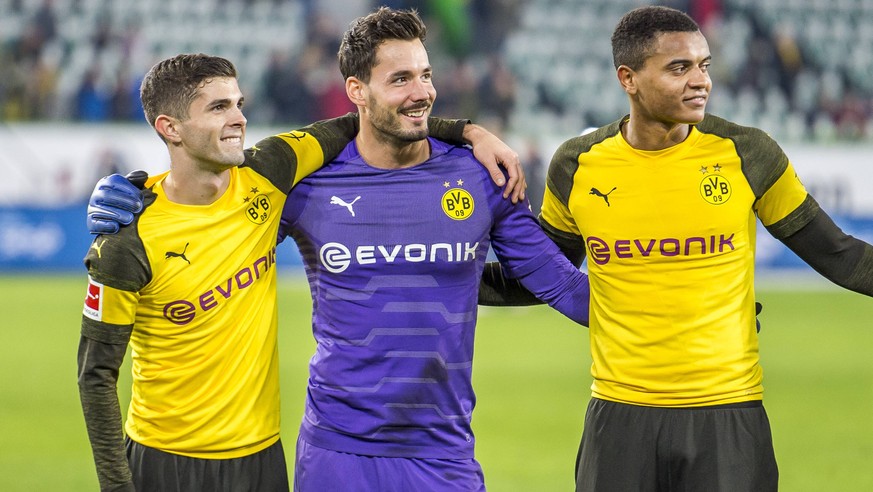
356	91
627	79
168	128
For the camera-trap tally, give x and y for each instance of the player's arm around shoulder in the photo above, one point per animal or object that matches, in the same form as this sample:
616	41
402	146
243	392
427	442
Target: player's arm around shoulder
497	157
288	157
529	259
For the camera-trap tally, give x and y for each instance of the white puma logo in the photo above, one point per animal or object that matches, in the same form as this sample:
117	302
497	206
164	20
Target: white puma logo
335	200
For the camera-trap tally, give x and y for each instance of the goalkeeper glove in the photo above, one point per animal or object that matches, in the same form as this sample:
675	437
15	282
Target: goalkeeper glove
114	202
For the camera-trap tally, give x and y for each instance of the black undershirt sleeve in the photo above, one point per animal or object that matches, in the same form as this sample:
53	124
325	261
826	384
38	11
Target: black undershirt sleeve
99	362
843	259
447	130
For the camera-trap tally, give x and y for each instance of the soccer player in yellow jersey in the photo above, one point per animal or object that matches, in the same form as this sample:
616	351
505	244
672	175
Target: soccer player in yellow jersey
190	285
664	204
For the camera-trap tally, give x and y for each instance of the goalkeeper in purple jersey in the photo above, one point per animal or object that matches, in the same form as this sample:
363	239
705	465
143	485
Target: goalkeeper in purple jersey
394	235
394	256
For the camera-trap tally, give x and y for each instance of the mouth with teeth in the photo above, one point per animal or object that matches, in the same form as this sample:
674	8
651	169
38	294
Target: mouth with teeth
415	113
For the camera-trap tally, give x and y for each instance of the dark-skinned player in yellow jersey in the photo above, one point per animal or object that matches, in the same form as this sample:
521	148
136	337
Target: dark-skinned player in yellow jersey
664	203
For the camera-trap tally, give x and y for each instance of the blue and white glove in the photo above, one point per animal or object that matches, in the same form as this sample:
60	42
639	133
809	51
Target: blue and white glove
115	201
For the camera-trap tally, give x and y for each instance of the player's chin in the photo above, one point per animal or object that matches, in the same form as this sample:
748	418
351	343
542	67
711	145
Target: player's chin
233	159
694	114
414	135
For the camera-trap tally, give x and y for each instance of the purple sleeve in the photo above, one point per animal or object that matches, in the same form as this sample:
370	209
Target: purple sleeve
530	256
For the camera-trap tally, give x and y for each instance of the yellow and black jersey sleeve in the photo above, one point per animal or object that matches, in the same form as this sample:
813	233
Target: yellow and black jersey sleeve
118	269
288	157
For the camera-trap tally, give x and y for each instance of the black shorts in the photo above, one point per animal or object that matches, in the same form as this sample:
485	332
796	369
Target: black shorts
652	449
158	471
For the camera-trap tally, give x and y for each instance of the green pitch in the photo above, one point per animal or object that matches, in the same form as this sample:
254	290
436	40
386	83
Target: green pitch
530	373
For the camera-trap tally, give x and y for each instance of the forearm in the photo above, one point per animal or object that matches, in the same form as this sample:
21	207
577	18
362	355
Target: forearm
334	134
473	132
844	260
496	289
561	286
98	377
449	130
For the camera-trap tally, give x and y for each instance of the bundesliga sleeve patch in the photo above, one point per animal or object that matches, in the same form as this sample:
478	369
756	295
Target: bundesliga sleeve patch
94	300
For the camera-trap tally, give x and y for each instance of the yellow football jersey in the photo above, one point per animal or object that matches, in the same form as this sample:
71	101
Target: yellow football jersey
670	241
198	285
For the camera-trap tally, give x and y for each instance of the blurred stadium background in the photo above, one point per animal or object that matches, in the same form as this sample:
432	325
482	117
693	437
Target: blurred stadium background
534	71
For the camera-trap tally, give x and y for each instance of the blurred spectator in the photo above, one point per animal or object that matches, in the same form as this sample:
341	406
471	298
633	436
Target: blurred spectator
91	103
497	91
851	116
45	21
41	89
102	36
124	102
535	174
453	17
493	21
323	83
456	92
285	92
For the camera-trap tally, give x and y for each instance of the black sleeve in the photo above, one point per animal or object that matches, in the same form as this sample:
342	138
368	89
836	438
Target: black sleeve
843	259
495	289
451	131
334	134
99	362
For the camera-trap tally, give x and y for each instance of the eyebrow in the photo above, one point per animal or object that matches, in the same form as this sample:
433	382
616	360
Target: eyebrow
223	101
427	69
686	61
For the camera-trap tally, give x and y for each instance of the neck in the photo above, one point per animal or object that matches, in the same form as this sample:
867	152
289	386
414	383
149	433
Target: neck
650	135
386	152
188	185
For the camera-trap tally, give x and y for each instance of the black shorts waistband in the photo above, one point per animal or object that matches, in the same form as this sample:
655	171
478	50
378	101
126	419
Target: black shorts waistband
724	406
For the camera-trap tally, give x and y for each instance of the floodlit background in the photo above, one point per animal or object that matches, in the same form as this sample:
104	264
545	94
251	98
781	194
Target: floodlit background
536	72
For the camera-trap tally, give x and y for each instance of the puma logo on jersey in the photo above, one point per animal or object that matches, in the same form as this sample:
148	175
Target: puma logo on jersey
96	247
605	196
173	254
335	200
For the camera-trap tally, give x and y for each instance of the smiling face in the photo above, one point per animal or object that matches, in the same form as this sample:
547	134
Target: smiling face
396	102
673	85
213	134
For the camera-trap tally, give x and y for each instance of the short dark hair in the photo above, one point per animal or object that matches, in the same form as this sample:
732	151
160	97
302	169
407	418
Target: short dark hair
635	33
357	51
171	85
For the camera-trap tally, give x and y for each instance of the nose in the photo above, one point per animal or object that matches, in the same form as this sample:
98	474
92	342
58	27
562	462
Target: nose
422	90
699	78
237	117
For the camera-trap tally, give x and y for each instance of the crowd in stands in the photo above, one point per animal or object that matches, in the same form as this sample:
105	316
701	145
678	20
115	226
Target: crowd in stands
297	83
82	60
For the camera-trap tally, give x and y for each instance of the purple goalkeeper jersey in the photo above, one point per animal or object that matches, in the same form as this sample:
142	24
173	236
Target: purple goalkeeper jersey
394	259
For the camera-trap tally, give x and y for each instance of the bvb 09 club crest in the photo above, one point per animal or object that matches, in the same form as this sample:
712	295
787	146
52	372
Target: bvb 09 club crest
715	189
458	204
258	209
